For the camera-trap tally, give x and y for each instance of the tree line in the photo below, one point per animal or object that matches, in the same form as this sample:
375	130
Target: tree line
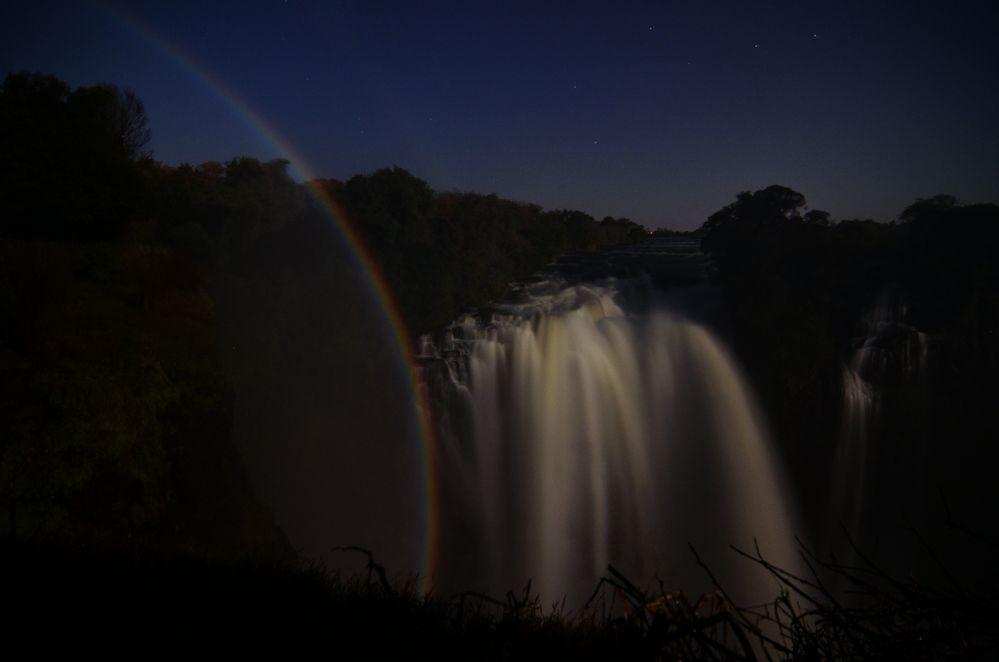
116	406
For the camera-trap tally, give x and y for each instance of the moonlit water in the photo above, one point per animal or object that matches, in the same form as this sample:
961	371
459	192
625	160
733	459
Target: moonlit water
889	360
574	434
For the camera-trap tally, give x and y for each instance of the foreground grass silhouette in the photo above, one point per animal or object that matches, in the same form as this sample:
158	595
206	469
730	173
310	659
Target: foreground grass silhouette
134	604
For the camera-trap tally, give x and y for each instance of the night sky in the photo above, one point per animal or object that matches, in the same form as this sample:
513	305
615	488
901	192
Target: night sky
658	111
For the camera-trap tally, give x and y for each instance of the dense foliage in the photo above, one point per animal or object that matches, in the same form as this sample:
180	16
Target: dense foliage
117	407
799	286
115	410
446	252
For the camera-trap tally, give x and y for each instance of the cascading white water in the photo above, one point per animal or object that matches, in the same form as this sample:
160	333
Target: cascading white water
891	355
579	435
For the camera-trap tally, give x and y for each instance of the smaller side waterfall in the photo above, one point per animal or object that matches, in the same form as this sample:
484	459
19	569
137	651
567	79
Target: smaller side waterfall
573	435
887	363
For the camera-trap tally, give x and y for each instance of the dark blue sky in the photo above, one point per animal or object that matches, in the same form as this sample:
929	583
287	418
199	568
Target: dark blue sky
659	111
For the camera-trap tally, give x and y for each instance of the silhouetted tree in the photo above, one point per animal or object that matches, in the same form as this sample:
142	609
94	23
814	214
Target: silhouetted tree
580	228
816	217
774	204
391	207
68	158
114	118
925	207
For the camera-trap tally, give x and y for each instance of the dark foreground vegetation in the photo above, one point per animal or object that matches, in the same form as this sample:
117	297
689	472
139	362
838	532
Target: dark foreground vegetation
136	604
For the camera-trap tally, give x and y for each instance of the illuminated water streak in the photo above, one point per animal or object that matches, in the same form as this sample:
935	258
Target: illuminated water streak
889	360
575	435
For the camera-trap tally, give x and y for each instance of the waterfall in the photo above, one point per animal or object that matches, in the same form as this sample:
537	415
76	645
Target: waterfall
574	434
873	454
